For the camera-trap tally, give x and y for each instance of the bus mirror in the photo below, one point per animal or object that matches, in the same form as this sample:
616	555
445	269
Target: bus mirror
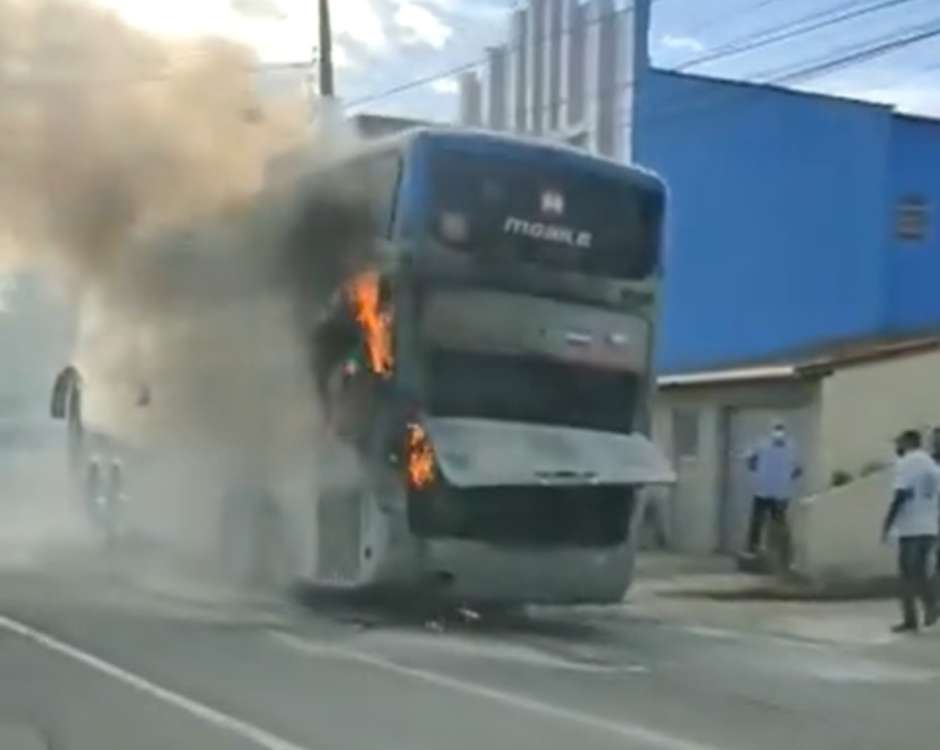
66	385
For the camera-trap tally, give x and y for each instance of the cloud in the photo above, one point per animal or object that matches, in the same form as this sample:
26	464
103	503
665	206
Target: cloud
448	86
681	42
477	9
422	25
361	22
342	59
259	8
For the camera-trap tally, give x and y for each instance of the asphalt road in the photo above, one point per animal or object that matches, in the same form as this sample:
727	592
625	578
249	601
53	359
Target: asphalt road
90	661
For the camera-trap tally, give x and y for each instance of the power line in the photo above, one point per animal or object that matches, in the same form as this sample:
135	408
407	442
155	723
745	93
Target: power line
710	24
776	28
806	25
846	58
789	30
470	65
416	83
921	34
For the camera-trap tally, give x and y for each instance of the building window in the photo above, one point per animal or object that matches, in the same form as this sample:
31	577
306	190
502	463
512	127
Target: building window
685	433
913	218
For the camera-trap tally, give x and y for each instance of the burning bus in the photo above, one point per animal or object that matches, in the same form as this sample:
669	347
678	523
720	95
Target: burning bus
484	370
492	372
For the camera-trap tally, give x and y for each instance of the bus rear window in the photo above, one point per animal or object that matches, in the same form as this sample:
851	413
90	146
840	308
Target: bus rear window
552	215
534	390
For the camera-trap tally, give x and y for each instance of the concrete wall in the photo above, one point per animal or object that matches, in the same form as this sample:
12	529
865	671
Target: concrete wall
864	407
836	534
776	208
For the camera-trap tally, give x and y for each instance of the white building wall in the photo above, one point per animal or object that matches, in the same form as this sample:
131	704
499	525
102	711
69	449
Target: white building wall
836	534
571	70
598	69
867	405
519	66
471	99
573	64
535	81
554	18
496	90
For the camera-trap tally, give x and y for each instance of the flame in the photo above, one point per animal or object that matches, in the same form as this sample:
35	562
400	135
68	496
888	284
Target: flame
376	324
420	458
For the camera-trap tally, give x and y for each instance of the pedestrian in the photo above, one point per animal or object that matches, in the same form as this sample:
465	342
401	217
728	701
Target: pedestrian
914	516
774	468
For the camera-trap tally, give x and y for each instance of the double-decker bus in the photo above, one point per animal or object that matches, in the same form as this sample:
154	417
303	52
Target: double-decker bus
492	373
486	380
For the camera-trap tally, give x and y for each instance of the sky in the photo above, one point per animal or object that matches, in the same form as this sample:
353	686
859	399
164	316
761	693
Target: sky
381	44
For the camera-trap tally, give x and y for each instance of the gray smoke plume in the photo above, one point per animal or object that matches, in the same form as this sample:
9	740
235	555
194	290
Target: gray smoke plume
181	216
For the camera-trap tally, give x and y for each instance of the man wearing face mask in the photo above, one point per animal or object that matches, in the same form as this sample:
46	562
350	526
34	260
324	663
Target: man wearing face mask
774	468
914	516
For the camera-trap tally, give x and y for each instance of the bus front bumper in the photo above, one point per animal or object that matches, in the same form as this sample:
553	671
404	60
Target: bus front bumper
497	574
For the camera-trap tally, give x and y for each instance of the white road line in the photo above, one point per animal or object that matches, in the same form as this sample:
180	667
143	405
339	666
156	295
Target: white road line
623	730
256	735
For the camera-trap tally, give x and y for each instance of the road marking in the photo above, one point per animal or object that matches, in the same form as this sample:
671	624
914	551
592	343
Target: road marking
623	730
247	731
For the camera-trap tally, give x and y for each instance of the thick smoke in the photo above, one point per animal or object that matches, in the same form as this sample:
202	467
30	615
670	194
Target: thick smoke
170	204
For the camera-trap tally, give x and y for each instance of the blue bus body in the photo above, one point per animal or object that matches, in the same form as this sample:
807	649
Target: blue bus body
521	280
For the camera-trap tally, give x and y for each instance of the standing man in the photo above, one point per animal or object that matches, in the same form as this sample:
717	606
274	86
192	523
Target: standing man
914	516
774	469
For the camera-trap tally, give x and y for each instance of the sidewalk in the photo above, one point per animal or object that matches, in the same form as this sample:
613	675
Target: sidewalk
709	593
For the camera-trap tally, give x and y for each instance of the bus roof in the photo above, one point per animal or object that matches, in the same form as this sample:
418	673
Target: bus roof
488	143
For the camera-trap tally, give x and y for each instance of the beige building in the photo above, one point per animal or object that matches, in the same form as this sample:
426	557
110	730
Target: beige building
843	408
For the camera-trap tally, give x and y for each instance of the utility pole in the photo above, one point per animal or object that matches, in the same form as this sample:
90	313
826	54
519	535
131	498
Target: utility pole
326	51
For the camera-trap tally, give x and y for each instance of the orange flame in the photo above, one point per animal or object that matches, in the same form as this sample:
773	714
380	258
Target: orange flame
420	458
376	324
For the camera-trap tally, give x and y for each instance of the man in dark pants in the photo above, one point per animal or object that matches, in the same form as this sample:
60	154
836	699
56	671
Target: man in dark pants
774	468
914	516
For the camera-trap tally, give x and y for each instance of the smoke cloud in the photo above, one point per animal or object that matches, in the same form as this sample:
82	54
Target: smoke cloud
176	210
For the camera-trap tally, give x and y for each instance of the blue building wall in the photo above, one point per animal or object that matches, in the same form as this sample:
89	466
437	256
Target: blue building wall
914	265
777	218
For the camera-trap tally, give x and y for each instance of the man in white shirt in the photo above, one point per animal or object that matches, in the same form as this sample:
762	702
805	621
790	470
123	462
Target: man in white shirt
774	468
914	516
